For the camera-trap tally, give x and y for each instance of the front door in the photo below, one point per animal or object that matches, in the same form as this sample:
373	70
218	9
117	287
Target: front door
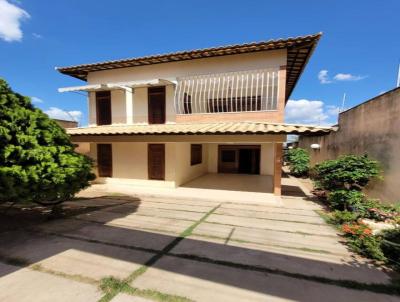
104	160
156	105
156	161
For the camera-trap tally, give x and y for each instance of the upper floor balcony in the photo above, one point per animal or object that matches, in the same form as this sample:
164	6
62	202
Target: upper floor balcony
243	91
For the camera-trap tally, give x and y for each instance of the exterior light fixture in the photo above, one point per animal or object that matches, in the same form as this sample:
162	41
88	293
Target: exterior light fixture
315	146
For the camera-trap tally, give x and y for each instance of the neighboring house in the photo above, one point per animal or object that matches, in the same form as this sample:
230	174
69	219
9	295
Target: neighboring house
164	120
372	128
66	124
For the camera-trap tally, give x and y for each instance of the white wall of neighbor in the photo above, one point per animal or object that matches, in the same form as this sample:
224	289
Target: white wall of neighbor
172	70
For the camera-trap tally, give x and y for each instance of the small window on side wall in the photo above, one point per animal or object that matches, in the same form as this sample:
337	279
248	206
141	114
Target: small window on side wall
196	154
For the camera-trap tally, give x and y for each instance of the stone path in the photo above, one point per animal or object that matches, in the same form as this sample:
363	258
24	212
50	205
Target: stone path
182	250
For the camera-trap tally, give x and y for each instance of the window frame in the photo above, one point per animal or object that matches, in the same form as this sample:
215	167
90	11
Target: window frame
103	117
196	154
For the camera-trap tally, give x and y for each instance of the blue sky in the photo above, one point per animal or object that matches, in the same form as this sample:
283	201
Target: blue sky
358	54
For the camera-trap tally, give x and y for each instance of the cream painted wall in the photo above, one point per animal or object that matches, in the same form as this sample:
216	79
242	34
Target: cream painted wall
172	70
92	109
140	106
212	158
266	158
249	61
183	169
118	107
130	163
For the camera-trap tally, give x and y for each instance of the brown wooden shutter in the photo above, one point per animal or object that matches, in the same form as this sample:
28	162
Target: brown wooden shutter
156	105
103	107
196	154
156	161
104	160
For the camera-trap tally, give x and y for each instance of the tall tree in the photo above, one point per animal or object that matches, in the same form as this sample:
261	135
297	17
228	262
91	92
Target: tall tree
37	160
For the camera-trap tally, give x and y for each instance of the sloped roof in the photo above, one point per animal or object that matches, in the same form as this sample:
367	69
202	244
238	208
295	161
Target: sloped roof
299	51
223	128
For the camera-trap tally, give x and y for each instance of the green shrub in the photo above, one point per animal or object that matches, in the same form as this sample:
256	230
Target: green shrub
346	172
345	199
341	217
299	161
37	160
369	246
391	245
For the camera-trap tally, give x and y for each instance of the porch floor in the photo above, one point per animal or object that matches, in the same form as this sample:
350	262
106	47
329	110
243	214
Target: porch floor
211	186
232	182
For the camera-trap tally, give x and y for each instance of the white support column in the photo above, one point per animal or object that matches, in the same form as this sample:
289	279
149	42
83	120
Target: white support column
129	105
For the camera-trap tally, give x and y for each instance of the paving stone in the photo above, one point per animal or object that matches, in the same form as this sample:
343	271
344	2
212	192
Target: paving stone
291	261
129	298
295	240
164	213
77	257
110	234
300	210
270	215
186	206
210	282
213	230
138	222
25	285
273	225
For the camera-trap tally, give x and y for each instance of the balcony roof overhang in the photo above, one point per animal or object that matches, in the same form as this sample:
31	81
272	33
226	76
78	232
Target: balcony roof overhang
299	50
222	128
118	85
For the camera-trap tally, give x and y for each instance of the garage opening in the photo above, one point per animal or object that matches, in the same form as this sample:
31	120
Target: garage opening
243	159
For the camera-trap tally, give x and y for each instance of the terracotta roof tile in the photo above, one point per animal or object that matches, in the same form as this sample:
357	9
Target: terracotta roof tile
201	128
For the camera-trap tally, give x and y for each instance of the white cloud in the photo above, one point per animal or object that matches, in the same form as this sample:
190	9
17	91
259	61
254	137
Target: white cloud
36	100
37	36
323	77
10	21
309	112
60	114
332	110
347	77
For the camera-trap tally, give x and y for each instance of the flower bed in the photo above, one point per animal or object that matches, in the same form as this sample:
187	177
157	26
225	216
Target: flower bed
372	229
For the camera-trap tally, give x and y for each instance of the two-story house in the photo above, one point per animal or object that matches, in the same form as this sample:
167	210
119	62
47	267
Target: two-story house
165	120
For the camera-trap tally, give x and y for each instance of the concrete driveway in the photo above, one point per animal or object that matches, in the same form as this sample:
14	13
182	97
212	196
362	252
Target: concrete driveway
169	249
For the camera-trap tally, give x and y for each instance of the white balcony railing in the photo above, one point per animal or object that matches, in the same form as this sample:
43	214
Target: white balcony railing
243	91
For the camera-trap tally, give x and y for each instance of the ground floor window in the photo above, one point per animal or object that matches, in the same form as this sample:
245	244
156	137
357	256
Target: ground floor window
104	160
196	154
244	159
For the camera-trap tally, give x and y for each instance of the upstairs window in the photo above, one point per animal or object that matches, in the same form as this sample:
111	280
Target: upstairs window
103	107
156	105
196	151
187	103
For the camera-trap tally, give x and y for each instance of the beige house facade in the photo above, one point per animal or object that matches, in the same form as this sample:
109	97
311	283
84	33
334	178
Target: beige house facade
165	120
